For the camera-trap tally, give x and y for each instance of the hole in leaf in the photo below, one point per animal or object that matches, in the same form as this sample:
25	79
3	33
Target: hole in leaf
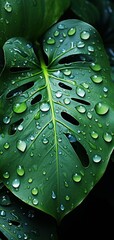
2	236
13	127
80	101
19	90
69	118
76	58
79	150
36	99
19	69
15	223
62	85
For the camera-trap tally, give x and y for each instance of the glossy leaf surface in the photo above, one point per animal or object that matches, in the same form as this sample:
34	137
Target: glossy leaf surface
56	111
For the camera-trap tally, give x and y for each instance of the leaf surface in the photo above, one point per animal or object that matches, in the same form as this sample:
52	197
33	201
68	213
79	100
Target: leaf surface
57	123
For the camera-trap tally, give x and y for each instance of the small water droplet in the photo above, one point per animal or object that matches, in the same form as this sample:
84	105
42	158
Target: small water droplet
21	145
67	72
97	158
67	198
5	200
20	171
67	101
50	41
53	195
71	138
34	191
45	107
20	127
35	201
80	44
62	208
6	145
8	7
101	108
71	31
94	135
58	94
80	92
107	137
96	67
6	120
30	180
2	213
85	35
90	48
20	107
56	33
37	115
61	26
45	141
16	183
77	177
81	109
6	175
97	78
89	115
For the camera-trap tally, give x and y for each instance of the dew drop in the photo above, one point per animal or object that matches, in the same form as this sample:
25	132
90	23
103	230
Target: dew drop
67	101
20	171
89	115
34	191
35	201
107	137
30	180
67	72
101	108
56	33
85	35
37	115
62	208
45	107
94	135
80	92
80	44
97	79
96	67
6	175
77	177
16	183
90	48
20	127
2	213
53	195
45	141
21	145
81	109
97	158
8	7
59	94
50	41
67	198
6	145
61	26
20	107
71	31
6	120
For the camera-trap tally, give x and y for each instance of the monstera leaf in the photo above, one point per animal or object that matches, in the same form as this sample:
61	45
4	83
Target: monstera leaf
19	221
29	19
56	112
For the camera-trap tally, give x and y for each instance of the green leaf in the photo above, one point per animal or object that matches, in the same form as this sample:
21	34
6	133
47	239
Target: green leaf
20	221
57	125
29	19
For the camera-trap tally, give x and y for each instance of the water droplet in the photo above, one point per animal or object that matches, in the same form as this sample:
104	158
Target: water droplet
85	35
67	101
20	127
59	94
80	44
96	67
80	92
20	171
81	109
21	145
97	79
107	137
16	183
101	108
20	107
30	180
90	48
8	7
89	115
71	31
2	213
35	201
85	85
45	140
37	115
94	135
53	195
61	26
62	208
77	177
71	138
56	33
6	145
6	175
5	200
6	119
97	158
45	107
67	198
50	40
34	191
67	72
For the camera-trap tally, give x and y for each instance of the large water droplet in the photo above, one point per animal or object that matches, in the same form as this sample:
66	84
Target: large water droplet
45	107
21	145
85	35
20	171
77	177
97	78
80	92
95	66
107	137
8	7
16	183
101	108
20	107
71	31
97	158
94	135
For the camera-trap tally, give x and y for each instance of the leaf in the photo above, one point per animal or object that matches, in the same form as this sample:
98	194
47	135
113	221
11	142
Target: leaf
20	221
29	19
57	124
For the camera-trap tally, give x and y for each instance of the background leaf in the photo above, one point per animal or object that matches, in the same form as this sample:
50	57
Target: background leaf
56	117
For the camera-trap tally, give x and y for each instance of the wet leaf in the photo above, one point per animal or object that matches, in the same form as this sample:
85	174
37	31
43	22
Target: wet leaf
57	127
20	221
